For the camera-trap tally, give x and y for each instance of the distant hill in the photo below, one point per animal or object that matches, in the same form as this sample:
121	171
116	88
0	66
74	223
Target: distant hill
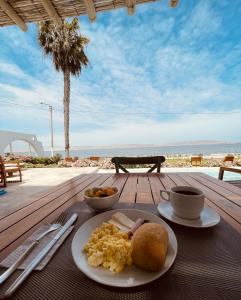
184	143
204	142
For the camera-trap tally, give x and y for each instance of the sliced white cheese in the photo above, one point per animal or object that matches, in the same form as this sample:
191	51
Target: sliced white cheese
123	219
120	226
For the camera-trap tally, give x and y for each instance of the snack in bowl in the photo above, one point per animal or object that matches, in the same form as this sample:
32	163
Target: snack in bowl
121	242
100	198
101	192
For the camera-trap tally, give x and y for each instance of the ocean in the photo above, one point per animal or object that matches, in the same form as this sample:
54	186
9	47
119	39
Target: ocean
179	150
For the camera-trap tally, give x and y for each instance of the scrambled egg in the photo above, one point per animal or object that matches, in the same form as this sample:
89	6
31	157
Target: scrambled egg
109	247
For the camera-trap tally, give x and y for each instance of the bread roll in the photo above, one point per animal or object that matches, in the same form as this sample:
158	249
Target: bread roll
149	246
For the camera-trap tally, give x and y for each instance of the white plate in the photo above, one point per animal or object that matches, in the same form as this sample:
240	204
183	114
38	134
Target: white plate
131	276
208	216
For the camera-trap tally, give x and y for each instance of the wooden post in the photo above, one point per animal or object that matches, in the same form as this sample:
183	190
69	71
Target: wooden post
174	3
90	9
130	6
221	172
47	4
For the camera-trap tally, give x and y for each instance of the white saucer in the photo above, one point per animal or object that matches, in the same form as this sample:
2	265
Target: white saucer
208	217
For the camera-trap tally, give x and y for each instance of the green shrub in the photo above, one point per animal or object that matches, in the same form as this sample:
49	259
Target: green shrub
40	160
56	158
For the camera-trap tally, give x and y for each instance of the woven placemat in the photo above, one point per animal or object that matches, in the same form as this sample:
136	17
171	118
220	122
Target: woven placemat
207	267
12	257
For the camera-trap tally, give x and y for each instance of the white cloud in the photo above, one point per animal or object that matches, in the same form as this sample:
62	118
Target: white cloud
185	128
11	69
202	23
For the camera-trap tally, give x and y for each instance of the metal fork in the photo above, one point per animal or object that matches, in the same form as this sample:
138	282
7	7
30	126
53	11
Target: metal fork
54	226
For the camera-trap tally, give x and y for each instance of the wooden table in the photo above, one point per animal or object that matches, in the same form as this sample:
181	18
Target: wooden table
139	188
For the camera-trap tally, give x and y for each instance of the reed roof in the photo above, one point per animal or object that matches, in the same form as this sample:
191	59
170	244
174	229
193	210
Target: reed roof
21	12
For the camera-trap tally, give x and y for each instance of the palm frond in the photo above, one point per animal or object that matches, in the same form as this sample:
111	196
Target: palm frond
65	44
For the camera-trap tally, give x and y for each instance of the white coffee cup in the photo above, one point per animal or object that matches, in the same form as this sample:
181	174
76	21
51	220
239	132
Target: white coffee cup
187	202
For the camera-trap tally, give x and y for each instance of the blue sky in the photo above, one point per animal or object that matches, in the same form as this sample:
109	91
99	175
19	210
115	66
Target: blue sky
158	77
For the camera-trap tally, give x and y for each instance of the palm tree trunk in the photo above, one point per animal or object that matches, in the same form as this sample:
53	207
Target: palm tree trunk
66	110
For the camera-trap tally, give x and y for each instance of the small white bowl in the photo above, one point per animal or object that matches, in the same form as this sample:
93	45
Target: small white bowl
101	203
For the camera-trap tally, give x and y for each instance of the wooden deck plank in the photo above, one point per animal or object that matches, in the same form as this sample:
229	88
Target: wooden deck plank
236	183
177	179
129	191
20	240
222	183
61	188
219	189
119	181
144	194
156	185
17	229
38	203
110	181
166	181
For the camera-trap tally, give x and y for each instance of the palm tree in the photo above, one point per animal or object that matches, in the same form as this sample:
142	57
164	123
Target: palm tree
66	46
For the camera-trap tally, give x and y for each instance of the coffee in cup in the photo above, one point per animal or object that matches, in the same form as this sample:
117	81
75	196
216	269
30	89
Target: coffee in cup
187	202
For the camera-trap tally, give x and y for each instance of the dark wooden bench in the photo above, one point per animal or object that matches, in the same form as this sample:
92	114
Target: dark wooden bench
234	182
156	161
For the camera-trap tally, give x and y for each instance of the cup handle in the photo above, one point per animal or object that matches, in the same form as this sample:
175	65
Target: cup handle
167	192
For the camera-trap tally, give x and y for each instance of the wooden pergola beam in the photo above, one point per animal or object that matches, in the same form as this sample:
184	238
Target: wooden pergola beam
90	9
8	9
174	3
47	4
131	7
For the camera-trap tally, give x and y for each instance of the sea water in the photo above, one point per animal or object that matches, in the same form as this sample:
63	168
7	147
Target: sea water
180	150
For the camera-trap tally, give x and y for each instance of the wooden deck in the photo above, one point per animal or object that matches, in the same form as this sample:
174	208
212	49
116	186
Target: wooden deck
139	188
